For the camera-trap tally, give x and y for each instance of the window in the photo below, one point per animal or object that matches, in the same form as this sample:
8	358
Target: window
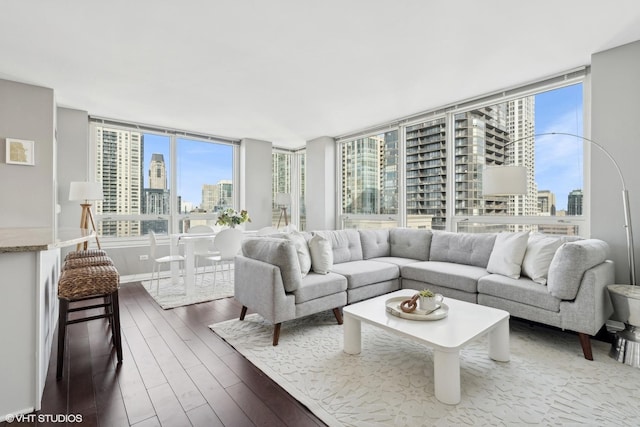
369	197
287	174
140	172
513	133
426	167
431	177
281	177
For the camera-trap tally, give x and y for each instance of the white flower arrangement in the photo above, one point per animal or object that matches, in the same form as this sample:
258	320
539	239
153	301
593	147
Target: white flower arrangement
232	217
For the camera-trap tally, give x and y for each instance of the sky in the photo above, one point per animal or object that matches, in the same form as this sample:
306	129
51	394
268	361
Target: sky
559	158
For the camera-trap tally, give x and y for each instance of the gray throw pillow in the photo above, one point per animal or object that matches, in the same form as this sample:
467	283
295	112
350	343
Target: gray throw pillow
569	264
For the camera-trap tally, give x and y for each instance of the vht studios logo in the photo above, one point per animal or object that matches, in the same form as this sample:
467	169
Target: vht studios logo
44	418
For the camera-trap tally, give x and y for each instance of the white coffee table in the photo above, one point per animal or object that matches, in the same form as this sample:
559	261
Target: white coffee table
465	322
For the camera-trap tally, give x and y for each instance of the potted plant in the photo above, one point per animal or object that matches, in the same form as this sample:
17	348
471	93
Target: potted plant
232	217
428	300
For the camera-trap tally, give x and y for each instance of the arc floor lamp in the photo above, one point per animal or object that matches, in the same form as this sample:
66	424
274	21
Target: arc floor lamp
511	180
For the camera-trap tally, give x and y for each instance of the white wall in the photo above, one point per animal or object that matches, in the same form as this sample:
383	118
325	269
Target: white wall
615	122
320	195
255	182
27	193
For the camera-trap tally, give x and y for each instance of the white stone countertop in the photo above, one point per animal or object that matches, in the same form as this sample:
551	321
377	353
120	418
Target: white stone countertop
29	239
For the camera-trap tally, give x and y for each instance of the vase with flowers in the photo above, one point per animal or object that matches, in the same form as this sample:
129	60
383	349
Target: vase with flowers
232	217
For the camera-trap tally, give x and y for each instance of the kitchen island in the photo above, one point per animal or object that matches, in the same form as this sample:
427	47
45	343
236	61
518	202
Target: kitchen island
29	270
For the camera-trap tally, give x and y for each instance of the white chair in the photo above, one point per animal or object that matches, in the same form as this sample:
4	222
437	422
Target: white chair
202	248
266	231
160	260
228	242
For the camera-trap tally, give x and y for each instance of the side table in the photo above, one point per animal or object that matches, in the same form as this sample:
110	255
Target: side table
626	303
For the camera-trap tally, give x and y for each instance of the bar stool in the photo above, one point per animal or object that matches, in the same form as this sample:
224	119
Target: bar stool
86	262
85	253
86	283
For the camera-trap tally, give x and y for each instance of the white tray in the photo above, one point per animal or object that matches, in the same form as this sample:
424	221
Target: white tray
393	307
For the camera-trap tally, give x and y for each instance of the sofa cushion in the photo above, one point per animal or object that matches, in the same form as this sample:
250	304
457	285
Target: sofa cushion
302	250
570	262
279	252
321	254
366	272
508	253
345	244
446	274
315	285
521	290
537	258
462	248
410	243
375	243
395	260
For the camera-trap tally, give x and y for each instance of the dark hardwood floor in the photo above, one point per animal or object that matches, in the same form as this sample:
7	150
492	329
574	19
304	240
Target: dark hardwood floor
175	372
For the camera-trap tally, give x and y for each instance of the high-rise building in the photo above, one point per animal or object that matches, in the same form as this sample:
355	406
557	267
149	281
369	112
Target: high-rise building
157	172
427	171
574	203
217	197
156	199
546	203
521	152
361	166
119	157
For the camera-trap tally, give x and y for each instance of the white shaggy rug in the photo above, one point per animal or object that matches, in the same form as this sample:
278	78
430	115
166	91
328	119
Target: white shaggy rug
173	295
547	381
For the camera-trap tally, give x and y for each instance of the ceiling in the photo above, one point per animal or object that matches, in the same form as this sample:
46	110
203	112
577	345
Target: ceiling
288	71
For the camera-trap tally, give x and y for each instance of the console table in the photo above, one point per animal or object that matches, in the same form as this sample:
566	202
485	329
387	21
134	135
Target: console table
30	266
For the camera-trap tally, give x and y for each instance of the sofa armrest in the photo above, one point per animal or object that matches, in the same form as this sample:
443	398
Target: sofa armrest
592	306
258	286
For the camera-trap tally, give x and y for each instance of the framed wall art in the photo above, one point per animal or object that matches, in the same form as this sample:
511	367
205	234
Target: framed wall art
20	152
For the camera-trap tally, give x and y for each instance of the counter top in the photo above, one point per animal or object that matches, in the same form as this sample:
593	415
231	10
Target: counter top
29	239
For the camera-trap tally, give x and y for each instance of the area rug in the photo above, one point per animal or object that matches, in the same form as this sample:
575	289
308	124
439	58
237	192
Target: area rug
173	295
546	382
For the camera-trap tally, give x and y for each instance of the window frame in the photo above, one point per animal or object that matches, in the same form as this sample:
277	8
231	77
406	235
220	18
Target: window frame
452	221
174	218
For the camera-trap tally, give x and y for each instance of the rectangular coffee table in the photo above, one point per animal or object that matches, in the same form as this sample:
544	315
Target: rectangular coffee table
464	322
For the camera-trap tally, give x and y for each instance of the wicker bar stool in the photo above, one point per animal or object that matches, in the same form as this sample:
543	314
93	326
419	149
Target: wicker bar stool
86	262
85	253
85	283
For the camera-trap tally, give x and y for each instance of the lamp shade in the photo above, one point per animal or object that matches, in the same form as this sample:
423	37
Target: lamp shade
283	199
85	191
504	180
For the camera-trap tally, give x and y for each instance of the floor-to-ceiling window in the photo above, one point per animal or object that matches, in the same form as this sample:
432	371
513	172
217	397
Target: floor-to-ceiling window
517	132
369	180
434	177
155	179
288	188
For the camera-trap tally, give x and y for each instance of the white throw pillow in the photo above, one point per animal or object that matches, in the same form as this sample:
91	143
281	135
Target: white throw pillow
537	259
321	254
508	253
302	250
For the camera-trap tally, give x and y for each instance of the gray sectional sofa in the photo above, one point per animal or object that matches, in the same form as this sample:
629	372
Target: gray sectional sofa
556	281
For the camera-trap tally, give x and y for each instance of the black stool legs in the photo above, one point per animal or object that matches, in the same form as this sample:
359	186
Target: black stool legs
112	312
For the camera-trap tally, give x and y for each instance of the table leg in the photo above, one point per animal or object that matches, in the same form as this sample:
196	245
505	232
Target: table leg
189	267
499	342
175	268
352	336
446	376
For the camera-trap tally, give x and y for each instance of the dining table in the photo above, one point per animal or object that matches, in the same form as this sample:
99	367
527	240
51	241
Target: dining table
187	240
